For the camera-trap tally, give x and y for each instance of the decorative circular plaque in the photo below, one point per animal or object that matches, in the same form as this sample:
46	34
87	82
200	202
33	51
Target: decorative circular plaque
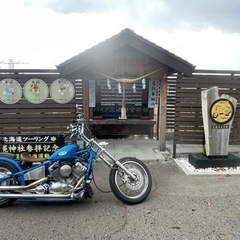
222	111
62	91
35	91
10	91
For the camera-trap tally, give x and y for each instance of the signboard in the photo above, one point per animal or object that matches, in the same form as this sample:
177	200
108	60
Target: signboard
62	91
35	91
40	146
109	100
222	111
92	93
115	112
153	93
10	91
130	57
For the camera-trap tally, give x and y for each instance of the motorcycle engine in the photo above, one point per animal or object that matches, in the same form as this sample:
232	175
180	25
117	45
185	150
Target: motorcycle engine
65	175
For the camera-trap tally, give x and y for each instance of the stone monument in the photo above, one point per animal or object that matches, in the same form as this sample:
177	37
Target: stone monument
218	114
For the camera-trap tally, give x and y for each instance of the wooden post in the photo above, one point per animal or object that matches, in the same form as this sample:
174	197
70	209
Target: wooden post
218	113
85	95
162	112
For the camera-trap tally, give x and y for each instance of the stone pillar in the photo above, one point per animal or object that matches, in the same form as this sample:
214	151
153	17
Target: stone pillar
218	113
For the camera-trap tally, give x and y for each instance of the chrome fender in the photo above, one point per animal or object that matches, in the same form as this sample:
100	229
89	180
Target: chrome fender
16	165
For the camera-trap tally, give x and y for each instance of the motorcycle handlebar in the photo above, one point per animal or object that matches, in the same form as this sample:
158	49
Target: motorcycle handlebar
75	128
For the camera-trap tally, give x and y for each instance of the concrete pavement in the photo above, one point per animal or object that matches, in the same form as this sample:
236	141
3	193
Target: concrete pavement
147	150
179	207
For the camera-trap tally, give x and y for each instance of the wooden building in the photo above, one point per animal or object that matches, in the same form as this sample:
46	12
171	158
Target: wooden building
121	78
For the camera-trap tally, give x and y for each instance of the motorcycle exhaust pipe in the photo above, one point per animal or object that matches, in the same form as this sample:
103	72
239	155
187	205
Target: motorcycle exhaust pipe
31	185
10	195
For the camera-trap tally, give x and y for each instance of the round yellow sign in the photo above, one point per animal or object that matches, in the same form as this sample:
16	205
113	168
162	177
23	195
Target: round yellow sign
222	111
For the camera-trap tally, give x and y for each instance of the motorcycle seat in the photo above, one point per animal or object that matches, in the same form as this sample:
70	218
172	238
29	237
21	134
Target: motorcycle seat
26	157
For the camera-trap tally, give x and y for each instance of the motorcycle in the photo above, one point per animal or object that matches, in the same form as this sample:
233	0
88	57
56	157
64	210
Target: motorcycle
68	173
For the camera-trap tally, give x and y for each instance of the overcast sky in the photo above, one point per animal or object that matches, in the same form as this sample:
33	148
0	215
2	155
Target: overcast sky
45	33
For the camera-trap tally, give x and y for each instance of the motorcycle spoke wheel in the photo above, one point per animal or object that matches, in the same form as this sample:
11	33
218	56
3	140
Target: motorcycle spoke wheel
6	168
127	189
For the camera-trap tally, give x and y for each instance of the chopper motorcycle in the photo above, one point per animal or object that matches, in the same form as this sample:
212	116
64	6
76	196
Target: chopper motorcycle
68	173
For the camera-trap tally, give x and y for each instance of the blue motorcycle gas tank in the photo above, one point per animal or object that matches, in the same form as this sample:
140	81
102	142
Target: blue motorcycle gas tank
65	152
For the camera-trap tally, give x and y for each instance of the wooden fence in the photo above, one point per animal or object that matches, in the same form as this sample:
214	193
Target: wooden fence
171	101
49	117
188	127
24	117
184	113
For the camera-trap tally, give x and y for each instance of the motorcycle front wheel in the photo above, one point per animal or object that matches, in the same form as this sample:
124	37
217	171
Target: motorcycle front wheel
126	189
6	168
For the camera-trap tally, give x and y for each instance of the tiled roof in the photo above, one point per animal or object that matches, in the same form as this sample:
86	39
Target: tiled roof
126	37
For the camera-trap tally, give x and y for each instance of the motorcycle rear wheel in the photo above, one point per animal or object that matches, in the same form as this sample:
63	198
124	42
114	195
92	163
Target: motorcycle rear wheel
124	187
7	168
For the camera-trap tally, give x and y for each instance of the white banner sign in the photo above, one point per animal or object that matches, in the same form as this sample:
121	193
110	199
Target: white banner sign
92	93
153	93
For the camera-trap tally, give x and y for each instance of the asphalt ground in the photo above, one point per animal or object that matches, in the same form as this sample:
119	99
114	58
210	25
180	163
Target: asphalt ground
178	207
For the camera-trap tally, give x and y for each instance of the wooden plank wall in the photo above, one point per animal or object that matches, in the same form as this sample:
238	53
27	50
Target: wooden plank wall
78	93
171	101
188	127
24	117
